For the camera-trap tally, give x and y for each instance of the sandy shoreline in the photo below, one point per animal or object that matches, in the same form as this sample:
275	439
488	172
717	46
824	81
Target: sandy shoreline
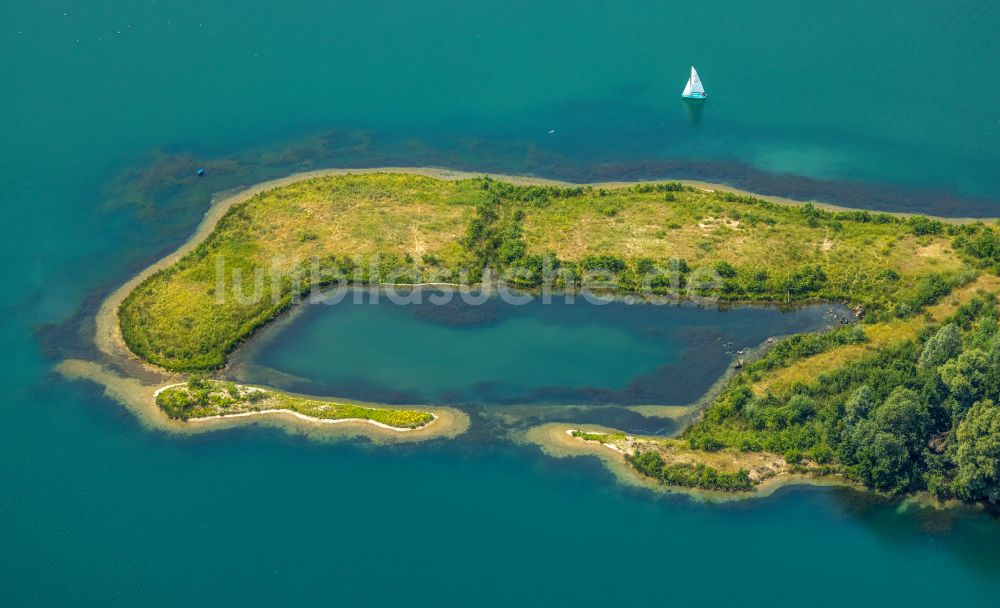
299	415
557	440
138	397
312	419
133	381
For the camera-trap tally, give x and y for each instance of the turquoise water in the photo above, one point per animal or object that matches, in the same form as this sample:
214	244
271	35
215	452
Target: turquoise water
108	108
575	351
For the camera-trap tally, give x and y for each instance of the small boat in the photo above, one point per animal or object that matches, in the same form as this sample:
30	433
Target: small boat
693	88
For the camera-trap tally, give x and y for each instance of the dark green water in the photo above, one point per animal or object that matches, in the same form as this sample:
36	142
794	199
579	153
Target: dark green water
575	351
107	108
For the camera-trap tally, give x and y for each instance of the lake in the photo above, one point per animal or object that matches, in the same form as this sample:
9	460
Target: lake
109	108
568	351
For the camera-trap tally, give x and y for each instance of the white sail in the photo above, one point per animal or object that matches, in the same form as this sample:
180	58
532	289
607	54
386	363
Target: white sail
694	84
687	89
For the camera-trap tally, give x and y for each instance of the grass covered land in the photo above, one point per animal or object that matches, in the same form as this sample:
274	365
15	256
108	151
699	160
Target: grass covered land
393	228
673	462
204	398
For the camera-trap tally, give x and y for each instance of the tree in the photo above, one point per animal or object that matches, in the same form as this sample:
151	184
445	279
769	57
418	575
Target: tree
885	446
906	416
883	460
859	405
967	377
649	462
986	334
943	345
978	453
800	408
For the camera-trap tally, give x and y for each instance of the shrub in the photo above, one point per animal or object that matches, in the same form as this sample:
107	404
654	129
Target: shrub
725	270
922	225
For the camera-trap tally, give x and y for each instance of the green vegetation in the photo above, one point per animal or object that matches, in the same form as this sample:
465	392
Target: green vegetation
800	346
906	402
980	243
651	464
918	414
599	437
673	463
201	398
360	227
665	239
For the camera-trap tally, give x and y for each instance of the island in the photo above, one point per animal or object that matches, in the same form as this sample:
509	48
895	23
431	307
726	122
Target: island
900	397
205	399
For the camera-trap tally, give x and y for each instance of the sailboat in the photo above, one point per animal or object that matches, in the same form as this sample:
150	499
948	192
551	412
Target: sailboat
693	88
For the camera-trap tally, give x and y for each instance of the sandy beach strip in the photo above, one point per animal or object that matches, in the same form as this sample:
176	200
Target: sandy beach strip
300	415
557	440
139	398
316	419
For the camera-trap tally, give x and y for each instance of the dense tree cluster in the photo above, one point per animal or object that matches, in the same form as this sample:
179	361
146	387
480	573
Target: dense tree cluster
921	415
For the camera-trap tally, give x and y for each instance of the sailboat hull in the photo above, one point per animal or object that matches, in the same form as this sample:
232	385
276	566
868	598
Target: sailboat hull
695	96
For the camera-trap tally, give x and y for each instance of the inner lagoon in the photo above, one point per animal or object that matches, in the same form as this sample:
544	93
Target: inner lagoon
568	350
